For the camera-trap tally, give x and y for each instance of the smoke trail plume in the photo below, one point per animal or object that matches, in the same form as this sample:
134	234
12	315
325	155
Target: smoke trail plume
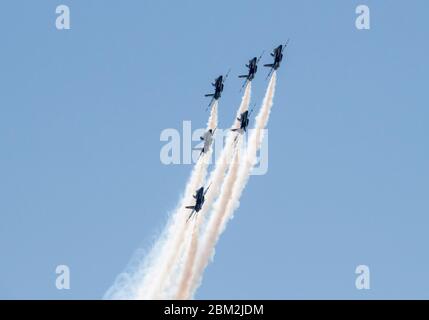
229	200
186	282
146	280
216	178
162	276
167	276
187	268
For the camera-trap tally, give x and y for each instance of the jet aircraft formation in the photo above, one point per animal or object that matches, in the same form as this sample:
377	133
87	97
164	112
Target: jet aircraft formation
218	85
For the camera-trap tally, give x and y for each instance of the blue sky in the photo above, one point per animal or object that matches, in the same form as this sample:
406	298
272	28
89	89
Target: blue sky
81	111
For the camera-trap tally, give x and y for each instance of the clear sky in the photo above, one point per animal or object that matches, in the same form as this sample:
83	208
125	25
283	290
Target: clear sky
81	112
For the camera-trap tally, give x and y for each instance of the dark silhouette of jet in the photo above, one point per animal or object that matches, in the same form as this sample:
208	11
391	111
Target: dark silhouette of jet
277	54
252	68
199	201
244	121
218	86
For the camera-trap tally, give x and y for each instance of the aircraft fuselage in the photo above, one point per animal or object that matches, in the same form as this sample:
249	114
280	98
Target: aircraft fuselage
199	197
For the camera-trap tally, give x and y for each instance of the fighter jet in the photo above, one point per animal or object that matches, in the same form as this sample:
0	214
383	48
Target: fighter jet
208	139
244	121
277	54
199	201
253	67
218	85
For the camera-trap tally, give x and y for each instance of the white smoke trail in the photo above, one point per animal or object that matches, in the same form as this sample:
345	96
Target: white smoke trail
174	248
186	282
147	279
216	178
191	252
225	208
166	277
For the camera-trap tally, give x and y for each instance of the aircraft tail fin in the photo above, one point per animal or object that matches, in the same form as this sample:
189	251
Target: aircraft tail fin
243	76
190	207
209	95
269	65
